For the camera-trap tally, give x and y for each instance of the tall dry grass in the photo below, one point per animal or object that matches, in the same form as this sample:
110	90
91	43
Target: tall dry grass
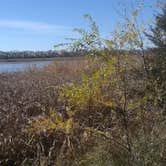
28	94
70	114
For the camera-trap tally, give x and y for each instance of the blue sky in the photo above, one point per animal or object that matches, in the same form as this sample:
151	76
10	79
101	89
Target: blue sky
39	24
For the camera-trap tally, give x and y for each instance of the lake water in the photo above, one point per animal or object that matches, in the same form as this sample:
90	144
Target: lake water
21	66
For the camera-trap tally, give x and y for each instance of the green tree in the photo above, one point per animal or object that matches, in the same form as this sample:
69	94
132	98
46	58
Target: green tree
158	35
158	38
158	61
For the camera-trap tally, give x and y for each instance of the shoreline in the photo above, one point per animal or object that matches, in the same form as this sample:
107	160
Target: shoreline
41	59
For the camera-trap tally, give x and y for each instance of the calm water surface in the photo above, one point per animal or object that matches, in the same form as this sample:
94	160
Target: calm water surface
21	66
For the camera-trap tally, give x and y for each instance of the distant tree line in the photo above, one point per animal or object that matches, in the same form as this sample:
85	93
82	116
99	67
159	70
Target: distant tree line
53	54
36	54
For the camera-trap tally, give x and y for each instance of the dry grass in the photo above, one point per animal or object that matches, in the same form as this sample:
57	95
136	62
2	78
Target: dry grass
29	93
30	110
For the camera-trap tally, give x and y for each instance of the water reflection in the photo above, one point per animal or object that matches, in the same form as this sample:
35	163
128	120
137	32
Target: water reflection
21	66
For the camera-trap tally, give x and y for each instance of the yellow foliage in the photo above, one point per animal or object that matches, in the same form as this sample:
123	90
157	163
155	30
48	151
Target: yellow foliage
91	90
47	123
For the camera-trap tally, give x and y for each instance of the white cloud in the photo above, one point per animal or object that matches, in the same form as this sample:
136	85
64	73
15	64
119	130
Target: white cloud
34	26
